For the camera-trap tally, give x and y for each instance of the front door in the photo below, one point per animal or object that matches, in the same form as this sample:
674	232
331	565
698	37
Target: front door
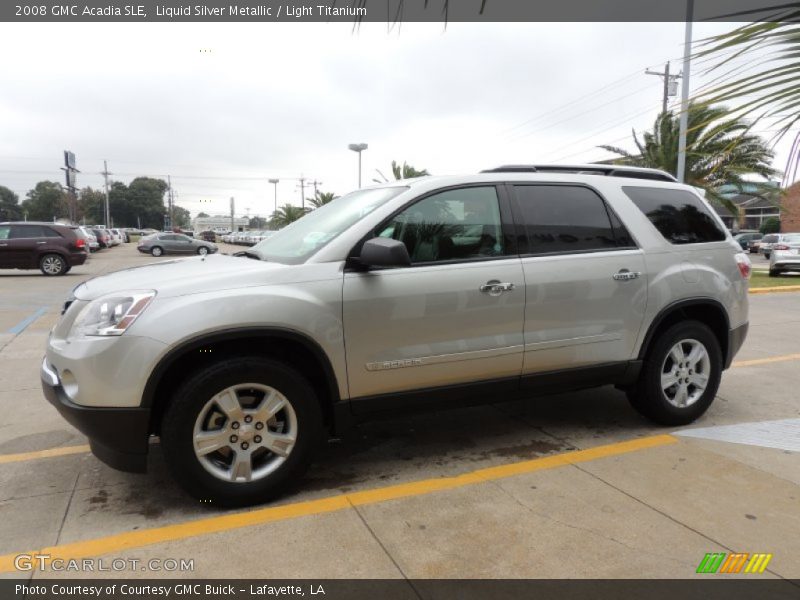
455	315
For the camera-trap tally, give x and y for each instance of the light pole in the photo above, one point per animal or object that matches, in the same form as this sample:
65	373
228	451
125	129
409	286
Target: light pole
358	148
274	182
684	119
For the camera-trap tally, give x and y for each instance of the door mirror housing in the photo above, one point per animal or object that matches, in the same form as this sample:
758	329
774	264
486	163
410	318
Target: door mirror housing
384	252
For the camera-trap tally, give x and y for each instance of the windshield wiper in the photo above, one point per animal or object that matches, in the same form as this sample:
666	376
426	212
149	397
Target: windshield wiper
247	253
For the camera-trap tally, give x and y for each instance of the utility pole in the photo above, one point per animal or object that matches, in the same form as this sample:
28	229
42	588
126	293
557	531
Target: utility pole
303	185
105	179
687	63
170	201
315	183
232	217
670	84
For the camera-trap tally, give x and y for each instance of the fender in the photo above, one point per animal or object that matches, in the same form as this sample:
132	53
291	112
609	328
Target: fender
676	306
148	396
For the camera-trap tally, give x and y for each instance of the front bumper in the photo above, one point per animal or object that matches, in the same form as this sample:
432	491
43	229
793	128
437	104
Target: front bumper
736	338
117	436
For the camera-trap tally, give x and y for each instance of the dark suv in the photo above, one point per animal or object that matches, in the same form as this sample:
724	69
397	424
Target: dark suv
52	248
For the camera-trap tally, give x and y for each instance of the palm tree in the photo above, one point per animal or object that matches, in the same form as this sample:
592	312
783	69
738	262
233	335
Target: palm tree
321	199
768	83
404	171
719	151
286	214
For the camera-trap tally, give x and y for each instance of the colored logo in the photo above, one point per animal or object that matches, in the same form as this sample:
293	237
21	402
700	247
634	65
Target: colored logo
738	562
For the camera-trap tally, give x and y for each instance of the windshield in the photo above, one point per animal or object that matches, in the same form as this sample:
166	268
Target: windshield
296	242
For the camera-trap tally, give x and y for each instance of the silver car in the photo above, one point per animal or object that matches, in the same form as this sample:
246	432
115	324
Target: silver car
483	287
174	243
785	254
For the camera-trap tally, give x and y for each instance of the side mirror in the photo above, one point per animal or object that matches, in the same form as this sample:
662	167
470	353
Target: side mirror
384	252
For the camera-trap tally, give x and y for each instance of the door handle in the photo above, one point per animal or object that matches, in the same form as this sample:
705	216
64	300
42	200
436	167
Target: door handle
495	287
3	245
41	242
626	275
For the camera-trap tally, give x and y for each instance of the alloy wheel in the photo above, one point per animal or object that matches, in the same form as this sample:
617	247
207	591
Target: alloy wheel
685	373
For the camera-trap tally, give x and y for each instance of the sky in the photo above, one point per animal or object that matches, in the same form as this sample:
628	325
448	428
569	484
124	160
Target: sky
223	107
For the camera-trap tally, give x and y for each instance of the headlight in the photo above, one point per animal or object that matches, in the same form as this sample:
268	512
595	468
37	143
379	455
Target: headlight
112	314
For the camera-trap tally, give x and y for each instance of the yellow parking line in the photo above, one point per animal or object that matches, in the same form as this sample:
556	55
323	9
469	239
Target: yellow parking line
147	537
765	361
23	456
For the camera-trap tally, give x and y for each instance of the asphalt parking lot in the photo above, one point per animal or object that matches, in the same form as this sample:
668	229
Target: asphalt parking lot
573	485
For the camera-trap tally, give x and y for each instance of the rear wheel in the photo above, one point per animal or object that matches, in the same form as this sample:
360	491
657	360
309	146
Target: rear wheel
242	431
680	375
53	264
156	251
202	250
774	273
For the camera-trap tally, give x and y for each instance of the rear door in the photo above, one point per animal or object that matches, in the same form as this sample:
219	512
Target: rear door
6	254
454	316
586	283
27	243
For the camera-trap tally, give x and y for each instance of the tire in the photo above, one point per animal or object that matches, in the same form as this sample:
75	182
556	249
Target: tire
216	477
774	273
53	264
156	251
202	250
664	405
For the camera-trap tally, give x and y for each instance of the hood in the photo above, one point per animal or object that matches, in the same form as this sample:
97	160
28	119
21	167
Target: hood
188	275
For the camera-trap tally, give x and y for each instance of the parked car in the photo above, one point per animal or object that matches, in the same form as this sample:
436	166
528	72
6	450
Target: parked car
746	238
767	242
785	255
103	237
91	239
460	289
208	236
174	243
53	249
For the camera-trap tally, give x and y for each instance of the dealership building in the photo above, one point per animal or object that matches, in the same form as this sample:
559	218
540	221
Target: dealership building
219	223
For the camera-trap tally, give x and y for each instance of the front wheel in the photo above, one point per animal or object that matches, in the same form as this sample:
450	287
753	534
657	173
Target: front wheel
156	251
202	250
242	431
680	375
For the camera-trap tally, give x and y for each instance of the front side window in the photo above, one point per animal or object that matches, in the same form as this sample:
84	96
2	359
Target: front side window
680	216
460	224
563	218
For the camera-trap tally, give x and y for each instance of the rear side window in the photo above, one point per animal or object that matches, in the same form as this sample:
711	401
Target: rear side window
561	218
48	232
680	216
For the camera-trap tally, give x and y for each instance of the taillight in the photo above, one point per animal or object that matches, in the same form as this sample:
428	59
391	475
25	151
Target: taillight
780	247
80	243
745	268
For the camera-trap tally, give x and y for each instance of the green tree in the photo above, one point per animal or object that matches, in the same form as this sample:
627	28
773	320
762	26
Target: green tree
181	217
9	205
201	215
91	206
258	223
321	199
719	151
769	92
771	225
286	214
141	200
45	202
404	171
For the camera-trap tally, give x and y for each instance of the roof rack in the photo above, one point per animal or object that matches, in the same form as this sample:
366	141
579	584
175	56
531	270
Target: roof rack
608	170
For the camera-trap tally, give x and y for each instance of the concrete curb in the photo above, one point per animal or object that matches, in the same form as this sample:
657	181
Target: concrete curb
769	290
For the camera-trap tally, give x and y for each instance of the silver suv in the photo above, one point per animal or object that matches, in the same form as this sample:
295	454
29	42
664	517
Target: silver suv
479	288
